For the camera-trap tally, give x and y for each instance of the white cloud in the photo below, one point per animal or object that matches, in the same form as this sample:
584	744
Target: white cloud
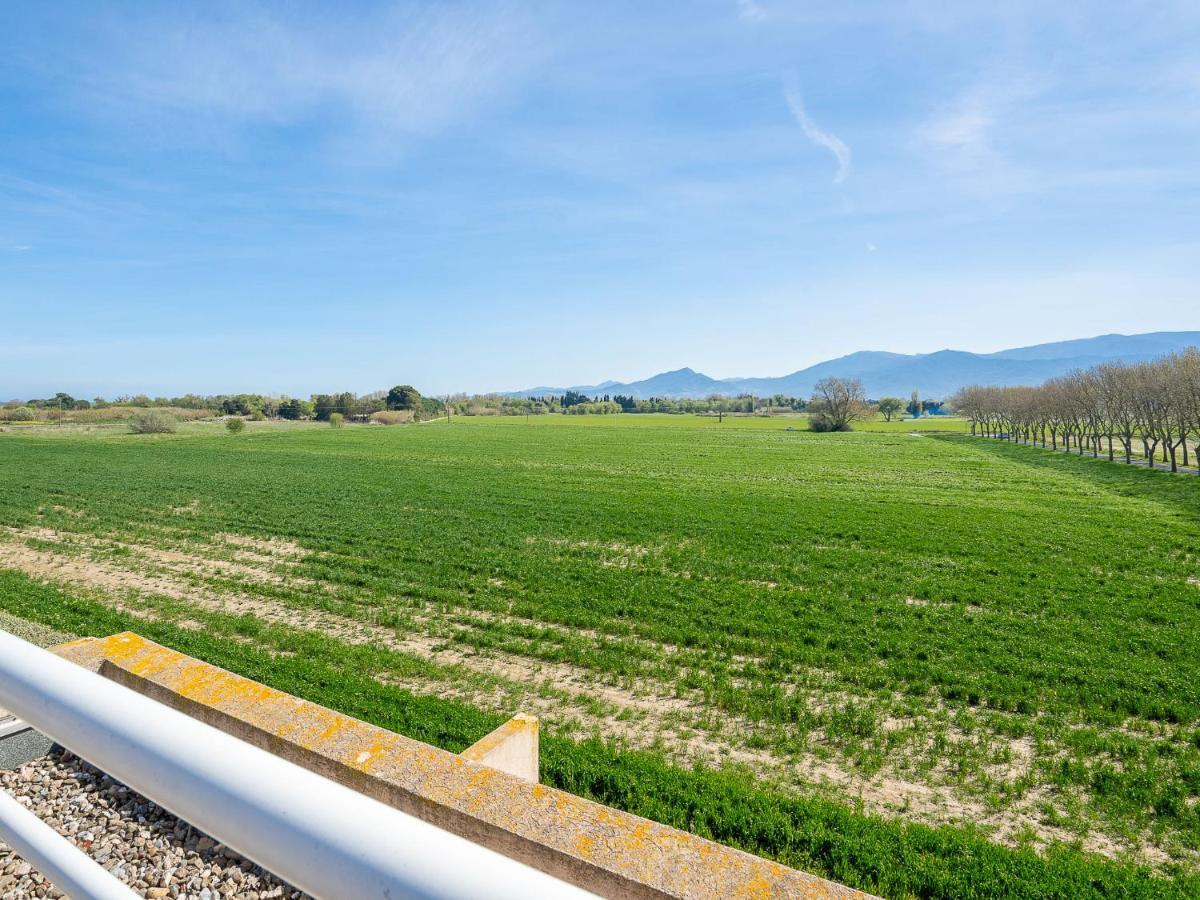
819	136
971	124
388	76
751	11
967	128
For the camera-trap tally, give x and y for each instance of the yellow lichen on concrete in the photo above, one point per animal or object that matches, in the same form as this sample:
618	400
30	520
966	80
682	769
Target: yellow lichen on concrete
609	852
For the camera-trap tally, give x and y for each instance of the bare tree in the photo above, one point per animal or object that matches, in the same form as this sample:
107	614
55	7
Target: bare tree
1179	409
836	404
1188	380
969	402
1155	403
1149	408
1117	394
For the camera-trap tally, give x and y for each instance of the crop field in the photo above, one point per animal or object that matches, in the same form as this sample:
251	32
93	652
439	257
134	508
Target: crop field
920	663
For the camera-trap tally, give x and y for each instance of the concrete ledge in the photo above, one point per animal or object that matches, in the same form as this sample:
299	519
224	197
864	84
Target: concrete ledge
604	850
511	748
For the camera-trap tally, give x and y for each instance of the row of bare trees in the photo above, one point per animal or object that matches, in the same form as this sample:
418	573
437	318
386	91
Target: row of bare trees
1113	408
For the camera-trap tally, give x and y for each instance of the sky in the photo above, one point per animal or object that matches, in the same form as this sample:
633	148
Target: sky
297	197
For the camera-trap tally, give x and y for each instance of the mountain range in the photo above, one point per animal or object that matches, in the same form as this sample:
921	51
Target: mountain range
898	374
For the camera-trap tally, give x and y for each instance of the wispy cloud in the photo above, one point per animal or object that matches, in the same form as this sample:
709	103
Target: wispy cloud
976	137
751	11
967	128
818	135
401	73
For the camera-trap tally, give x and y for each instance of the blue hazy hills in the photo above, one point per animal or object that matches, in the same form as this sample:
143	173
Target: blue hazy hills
898	374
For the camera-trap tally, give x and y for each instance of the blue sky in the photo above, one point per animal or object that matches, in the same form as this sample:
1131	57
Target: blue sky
294	197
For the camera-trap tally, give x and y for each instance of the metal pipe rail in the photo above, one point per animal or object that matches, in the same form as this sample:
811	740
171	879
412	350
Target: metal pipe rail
70	869
318	835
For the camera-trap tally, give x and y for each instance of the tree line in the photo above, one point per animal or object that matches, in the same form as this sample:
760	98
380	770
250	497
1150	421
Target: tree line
1112	408
830	412
577	403
403	398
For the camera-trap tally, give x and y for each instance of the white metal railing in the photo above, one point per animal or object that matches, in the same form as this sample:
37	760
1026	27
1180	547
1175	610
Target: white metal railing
318	835
68	867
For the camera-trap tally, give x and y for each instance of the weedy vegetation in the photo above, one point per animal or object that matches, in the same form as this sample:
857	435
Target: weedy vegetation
152	421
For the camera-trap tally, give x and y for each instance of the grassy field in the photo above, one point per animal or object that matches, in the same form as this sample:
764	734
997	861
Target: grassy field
812	646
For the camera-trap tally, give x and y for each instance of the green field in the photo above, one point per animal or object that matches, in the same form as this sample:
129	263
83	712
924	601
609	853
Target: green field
808	645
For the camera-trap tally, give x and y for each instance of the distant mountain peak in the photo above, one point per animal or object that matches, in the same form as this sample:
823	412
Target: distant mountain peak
933	375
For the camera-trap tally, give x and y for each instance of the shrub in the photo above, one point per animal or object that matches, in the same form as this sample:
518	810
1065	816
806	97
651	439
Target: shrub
821	422
122	413
20	414
336	419
257	415
601	408
392	416
151	421
235	426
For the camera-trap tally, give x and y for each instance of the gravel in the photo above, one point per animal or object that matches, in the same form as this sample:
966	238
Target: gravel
34	632
140	843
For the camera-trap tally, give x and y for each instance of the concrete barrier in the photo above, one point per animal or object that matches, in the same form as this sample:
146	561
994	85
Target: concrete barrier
486	795
511	748
324	838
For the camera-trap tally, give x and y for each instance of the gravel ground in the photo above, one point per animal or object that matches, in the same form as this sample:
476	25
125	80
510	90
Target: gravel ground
34	632
143	845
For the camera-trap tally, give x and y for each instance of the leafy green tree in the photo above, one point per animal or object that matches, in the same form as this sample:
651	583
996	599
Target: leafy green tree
404	396
293	409
574	398
241	405
431	407
889	406
324	406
